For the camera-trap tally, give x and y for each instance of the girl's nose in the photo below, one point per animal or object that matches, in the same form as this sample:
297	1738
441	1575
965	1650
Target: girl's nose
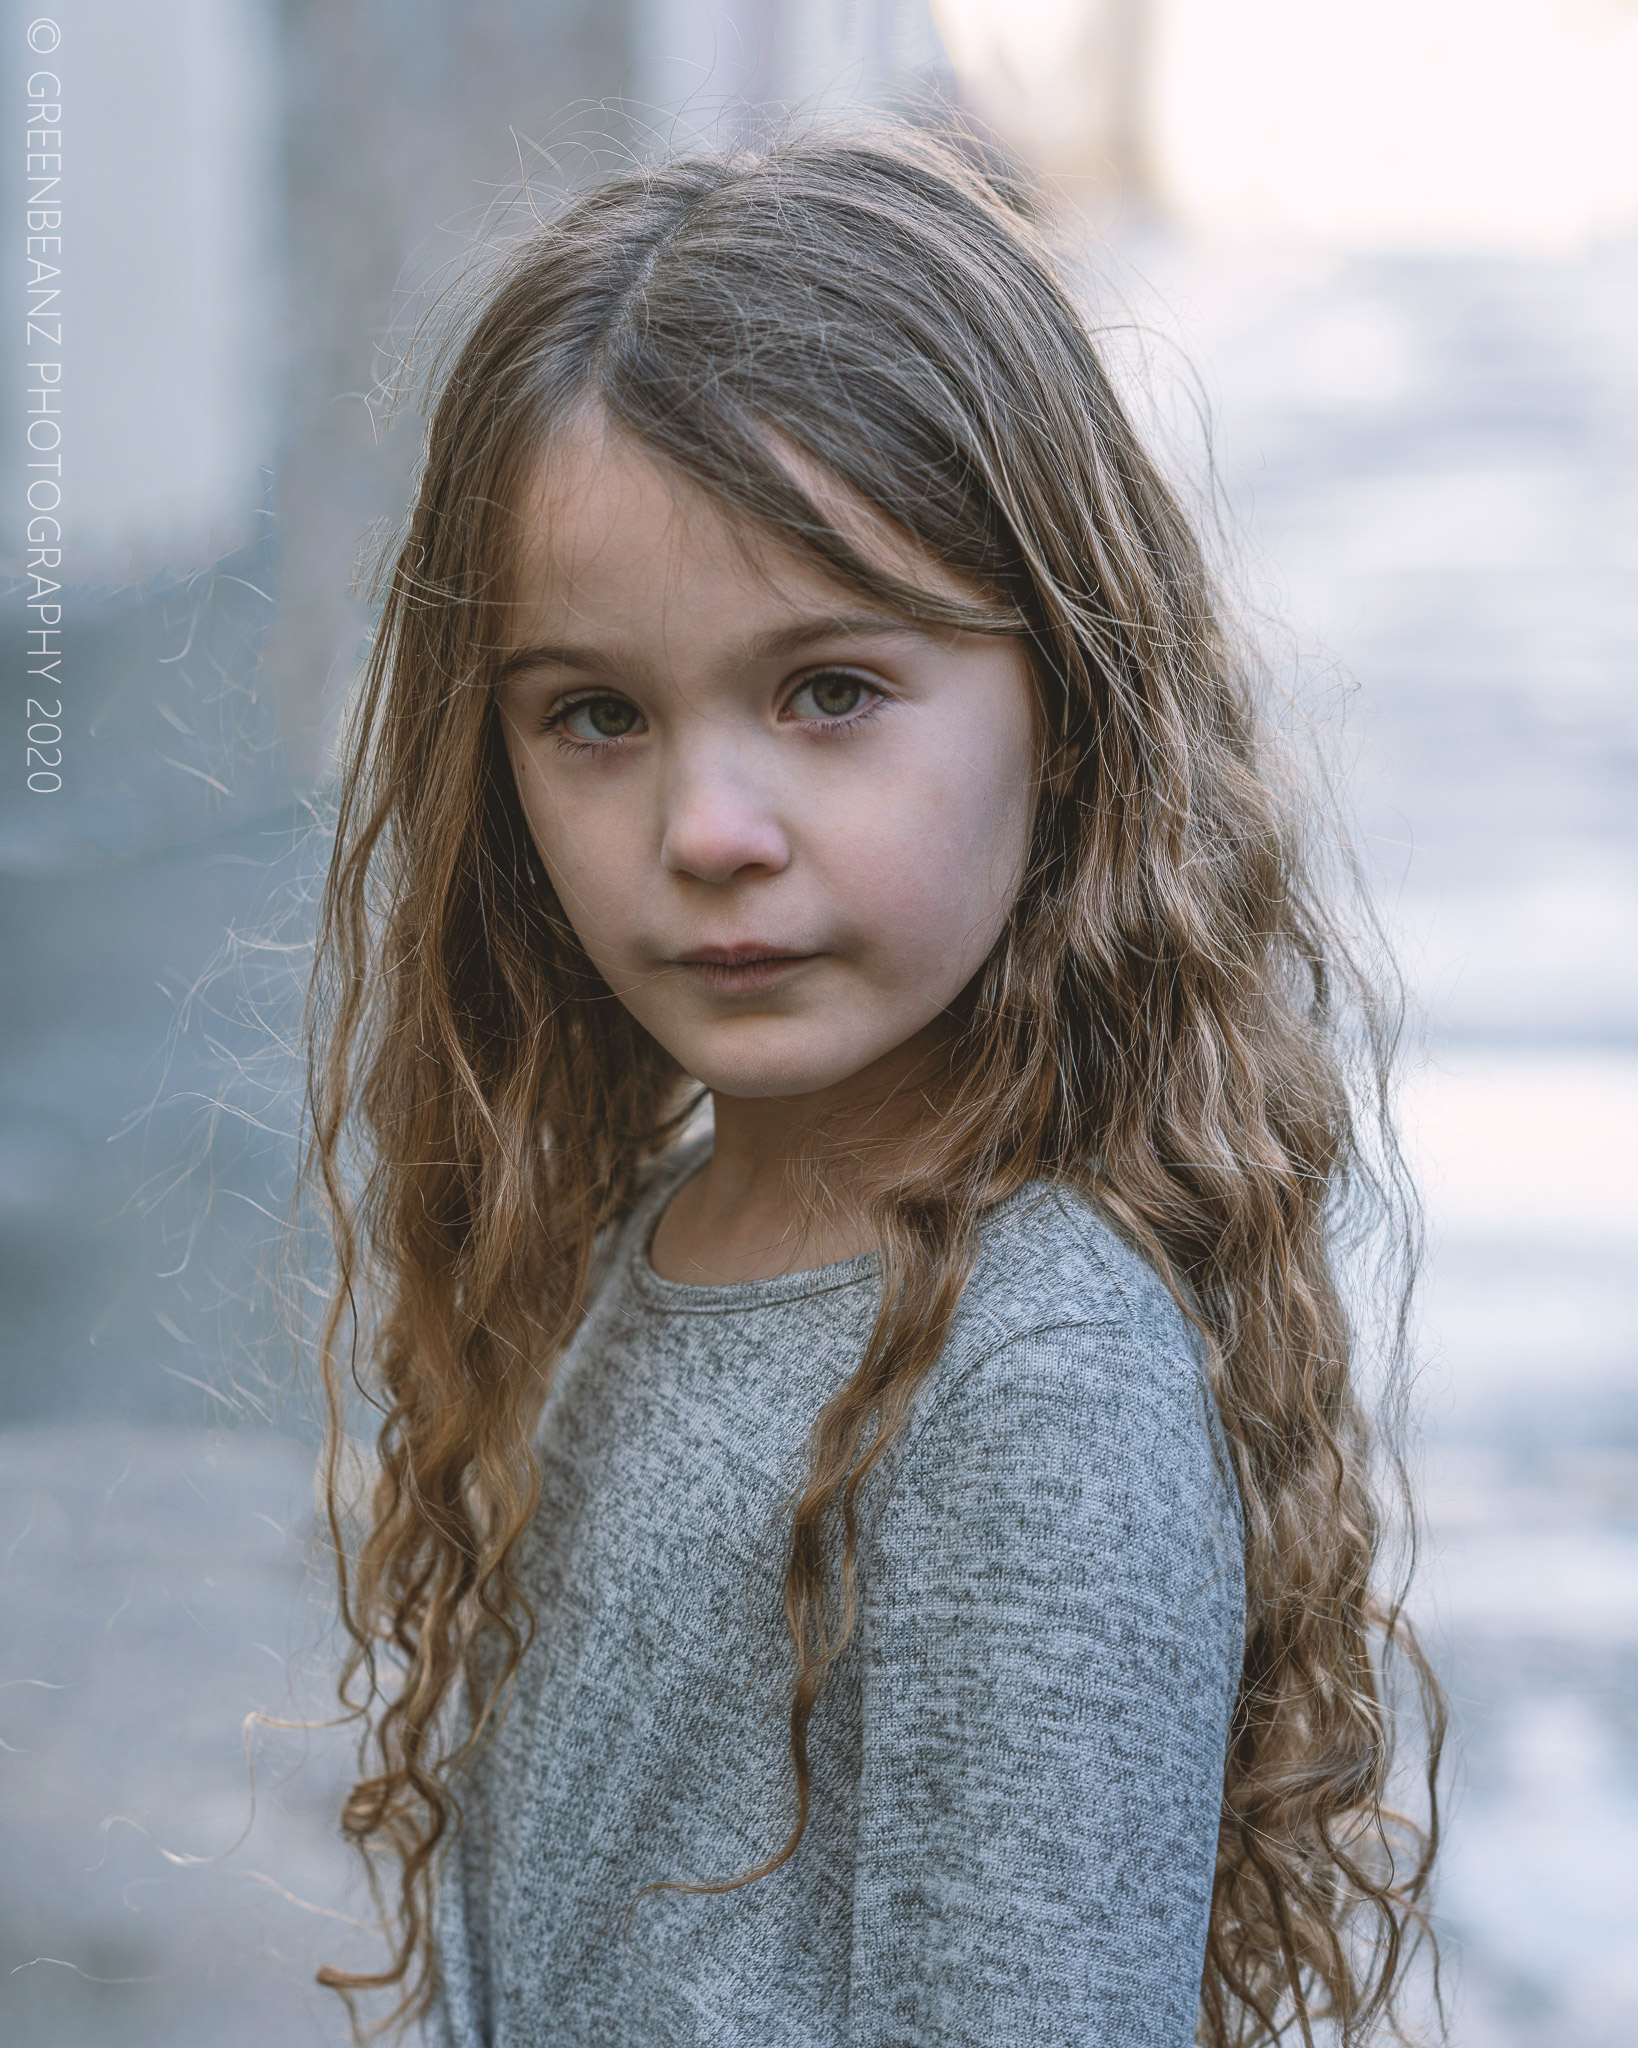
719	824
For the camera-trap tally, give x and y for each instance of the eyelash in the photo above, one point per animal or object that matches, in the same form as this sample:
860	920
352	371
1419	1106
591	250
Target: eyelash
875	698
553	722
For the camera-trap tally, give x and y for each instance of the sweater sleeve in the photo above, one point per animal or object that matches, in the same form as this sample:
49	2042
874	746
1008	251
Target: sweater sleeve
1051	1633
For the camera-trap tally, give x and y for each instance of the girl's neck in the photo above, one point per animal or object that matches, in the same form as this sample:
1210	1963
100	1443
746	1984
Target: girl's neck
789	1183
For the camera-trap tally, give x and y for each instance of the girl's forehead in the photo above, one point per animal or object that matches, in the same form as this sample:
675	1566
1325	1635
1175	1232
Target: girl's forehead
597	507
595	488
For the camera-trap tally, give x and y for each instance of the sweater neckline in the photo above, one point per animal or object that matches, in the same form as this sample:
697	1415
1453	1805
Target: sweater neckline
720	1297
685	1297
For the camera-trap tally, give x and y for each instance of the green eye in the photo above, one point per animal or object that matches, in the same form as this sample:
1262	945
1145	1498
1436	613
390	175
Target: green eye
600	718
832	695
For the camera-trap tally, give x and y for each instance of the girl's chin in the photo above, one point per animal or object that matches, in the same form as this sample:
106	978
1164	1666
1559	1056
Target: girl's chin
768	1083
745	1070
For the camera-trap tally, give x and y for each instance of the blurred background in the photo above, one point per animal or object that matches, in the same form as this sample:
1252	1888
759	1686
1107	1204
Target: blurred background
1379	265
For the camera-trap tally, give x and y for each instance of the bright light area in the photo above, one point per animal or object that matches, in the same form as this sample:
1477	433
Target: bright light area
1507	124
1038	69
1527	1145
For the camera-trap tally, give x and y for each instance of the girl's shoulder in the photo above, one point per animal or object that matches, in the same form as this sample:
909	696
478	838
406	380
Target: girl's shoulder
1068	1347
1069	1425
1051	1260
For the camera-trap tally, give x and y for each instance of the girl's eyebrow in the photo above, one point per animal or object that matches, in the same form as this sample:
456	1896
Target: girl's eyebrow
780	642
802	633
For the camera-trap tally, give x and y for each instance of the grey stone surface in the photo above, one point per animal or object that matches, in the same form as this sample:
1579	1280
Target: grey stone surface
171	1866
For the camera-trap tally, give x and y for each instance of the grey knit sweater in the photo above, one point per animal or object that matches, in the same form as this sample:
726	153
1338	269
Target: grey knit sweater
1017	1764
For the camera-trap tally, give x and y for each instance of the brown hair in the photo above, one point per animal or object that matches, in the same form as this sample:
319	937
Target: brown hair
1169	1020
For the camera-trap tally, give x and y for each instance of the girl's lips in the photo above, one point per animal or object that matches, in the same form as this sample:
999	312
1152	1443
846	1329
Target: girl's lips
731	968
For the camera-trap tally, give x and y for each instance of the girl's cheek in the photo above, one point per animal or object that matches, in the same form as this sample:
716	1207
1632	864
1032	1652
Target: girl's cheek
918	921
949	858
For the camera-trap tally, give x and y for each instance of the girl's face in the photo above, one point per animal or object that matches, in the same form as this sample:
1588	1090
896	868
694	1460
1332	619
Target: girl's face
786	827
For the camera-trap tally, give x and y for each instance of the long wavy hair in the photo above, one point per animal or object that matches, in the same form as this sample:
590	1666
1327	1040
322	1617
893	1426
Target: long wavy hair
1172	1019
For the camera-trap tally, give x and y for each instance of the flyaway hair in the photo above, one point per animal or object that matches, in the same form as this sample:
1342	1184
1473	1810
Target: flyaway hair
1172	1021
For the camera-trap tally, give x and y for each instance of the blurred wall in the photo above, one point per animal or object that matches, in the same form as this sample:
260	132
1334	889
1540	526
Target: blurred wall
171	263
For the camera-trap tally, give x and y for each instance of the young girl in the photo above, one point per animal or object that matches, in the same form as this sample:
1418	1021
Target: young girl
888	1561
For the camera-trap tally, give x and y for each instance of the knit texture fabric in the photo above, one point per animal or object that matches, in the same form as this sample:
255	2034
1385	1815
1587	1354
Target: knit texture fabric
1018	1762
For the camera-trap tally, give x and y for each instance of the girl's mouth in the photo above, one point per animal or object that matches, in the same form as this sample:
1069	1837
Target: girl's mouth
731	969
